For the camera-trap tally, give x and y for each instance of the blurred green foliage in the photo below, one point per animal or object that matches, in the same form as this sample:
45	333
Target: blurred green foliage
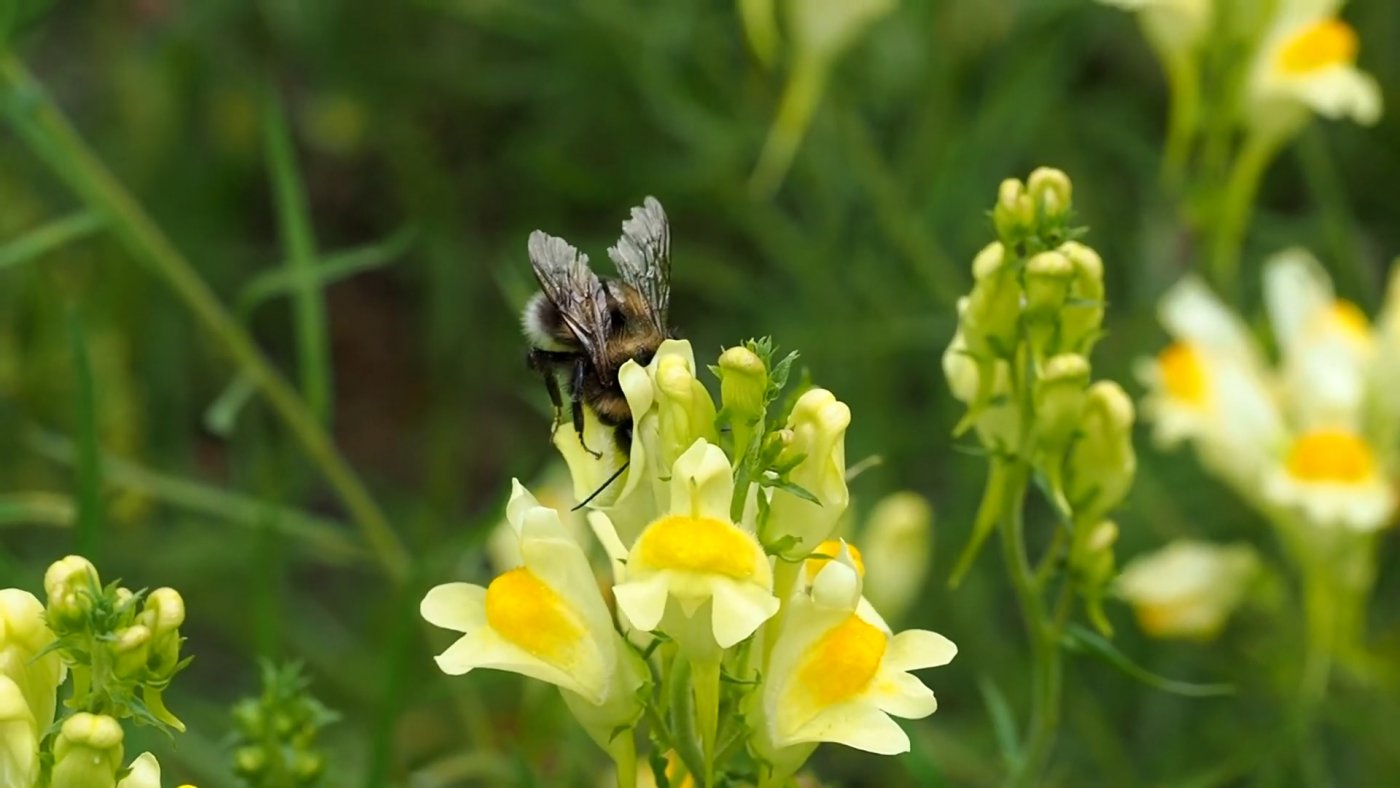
429	138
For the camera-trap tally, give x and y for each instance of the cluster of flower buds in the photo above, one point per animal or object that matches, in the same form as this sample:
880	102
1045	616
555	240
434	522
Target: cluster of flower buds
277	732
1020	362
719	526
121	648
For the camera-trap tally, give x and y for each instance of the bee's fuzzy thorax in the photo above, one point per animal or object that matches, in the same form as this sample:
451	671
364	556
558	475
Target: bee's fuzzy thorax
542	325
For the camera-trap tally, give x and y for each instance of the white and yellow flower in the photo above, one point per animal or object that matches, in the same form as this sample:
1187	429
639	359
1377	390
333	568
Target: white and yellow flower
1210	384
818	427
545	619
836	674
1326	343
1187	589
1307	63
553	488
693	573
1333	477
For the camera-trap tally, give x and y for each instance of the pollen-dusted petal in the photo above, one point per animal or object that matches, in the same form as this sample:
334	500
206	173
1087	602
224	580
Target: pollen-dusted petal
827	551
1326	43
699	544
739	609
529	614
857	725
1183	374
1331	456
914	649
456	606
903	695
842	662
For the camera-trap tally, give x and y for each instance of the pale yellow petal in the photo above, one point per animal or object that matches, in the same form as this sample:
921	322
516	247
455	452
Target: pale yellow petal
456	606
914	649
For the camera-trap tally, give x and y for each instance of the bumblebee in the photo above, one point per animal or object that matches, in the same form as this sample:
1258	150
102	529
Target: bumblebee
583	328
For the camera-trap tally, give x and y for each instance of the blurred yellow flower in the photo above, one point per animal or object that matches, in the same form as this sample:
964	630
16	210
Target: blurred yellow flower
1332	476
692	573
1307	63
1170	25
1187	589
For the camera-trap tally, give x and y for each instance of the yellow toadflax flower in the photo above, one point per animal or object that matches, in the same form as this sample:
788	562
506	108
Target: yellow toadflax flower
1187	589
836	673
545	619
693	573
1307	63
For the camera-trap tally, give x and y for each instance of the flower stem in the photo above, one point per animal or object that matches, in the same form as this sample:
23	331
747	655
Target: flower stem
1043	631
704	678
1236	206
1183	82
52	137
624	754
799	101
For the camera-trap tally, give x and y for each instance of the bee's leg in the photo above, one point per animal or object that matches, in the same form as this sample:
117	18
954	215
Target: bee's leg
541	361
576	397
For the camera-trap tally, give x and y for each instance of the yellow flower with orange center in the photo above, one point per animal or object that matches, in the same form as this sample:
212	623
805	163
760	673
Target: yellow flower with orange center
837	673
695	557
1332	476
1187	589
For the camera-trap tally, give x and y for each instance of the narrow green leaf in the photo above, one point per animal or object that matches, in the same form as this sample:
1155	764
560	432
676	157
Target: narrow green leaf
1003	719
88	534
1086	641
37	508
40	241
330	269
294	222
222	413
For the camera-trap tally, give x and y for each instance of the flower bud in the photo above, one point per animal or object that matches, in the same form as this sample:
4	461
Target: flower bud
88	752
685	408
818	424
992	310
70	583
1091	568
166	609
1048	277
131	648
1050	190
1059	399
1100	465
1014	214
1082	317
898	539
743	386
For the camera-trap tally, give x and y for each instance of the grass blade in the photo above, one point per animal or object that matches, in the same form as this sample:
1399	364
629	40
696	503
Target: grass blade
41	240
294	222
330	269
1080	639
37	508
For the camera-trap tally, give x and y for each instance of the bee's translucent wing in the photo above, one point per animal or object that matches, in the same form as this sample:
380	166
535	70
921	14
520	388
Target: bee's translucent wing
643	257
571	285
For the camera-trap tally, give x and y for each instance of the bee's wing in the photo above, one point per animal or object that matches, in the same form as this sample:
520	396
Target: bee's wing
571	285
643	257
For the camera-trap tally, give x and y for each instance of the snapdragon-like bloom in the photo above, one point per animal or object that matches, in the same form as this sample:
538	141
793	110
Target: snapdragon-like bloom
818	427
1171	25
28	684
1307	63
545	619
837	673
693	573
1302	437
1187	589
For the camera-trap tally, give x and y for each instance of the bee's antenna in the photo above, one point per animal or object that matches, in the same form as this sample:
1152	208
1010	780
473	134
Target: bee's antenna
604	486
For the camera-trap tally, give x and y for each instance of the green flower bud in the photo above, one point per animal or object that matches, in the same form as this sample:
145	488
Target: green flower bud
69	583
686	411
249	762
1059	400
1014	214
898	539
88	752
1100	465
1092	568
992	311
166	609
1050	190
1082	317
743	385
818	425
1048	278
131	647
308	766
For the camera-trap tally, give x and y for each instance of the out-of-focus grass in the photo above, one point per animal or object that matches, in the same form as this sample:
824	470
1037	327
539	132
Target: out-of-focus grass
474	122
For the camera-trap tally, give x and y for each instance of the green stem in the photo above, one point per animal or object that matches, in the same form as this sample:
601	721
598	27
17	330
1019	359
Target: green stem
1041	629
624	754
704	677
1183	83
1236	206
52	137
800	98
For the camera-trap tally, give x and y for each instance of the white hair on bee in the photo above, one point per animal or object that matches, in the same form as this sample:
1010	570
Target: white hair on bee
539	321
